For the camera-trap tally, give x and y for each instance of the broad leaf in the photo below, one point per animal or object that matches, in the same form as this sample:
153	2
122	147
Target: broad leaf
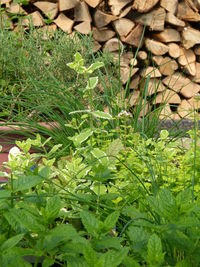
112	258
52	208
92	83
155	256
11	242
26	182
102	115
82	137
111	220
95	66
91	223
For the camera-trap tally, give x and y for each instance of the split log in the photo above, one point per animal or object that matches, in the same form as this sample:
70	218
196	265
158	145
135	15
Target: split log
113	45
168	66
179	83
154	19
116	6
46	31
157	60
96	46
135	82
186	57
16	8
194	102
173	20
155	47
190	37
84	27
81	12
197	50
66	4
167	96
184	108
102	35
133	62
144	6
48	8
155	86
152	72
196	77
169	5
168	36
92	3
142	55
123	26
102	19
34	19
134	99
134	38
185	12
174	50
125	12
125	73
190	69
64	23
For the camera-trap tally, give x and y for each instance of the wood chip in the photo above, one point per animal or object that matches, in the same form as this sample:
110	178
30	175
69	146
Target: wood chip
174	50
190	37
168	36
155	47
64	23
81	12
102	19
144	6
154	19
134	37
172	19
169	5
84	27
123	26
66	4
48	8
152	72
116	6
102	35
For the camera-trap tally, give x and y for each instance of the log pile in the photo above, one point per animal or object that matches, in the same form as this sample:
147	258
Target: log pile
166	32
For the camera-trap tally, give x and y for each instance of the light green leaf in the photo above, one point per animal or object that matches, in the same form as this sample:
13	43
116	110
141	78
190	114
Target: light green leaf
11	242
26	182
54	149
155	256
52	208
100	155
92	83
112	258
114	148
48	262
102	115
164	134
95	66
90	222
80	138
111	220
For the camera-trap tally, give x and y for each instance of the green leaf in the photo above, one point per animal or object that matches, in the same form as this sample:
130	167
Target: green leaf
101	115
90	255
82	137
26	182
76	261
114	148
100	155
48	262
155	256
11	242
111	220
92	83
112	258
90	222
52	208
129	262
164	134
95	66
45	172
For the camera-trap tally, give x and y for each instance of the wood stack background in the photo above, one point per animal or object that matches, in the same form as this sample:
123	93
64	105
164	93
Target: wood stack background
169	51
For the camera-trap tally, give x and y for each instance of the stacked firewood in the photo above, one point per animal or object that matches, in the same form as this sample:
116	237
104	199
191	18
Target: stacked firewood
156	39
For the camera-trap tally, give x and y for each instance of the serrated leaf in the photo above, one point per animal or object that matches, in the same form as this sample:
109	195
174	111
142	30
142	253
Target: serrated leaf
111	220
100	155
155	256
26	182
52	208
48	262
90	222
114	148
90	256
112	258
102	115
11	242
